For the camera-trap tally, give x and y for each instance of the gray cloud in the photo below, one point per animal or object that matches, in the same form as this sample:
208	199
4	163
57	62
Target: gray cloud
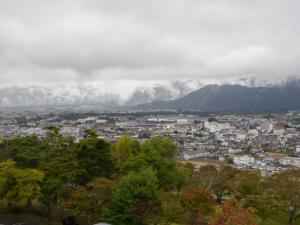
78	40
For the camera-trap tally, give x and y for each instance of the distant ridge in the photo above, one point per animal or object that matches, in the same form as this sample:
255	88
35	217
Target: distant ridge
235	98
93	95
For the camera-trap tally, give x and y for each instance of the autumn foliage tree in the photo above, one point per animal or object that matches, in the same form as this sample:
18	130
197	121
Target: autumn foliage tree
198	202
132	183
89	202
233	214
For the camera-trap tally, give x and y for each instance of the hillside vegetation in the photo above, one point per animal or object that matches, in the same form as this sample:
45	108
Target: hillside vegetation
128	183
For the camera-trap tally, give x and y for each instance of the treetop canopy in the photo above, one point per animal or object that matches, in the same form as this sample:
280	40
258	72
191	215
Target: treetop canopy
1	140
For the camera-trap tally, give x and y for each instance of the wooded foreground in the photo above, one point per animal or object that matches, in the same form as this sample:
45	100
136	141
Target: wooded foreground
128	183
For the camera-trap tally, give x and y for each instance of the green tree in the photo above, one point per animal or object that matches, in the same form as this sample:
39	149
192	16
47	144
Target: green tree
136	199
125	149
217	181
95	159
2	142
247	188
90	133
17	185
246	184
162	146
159	153
61	166
25	151
283	190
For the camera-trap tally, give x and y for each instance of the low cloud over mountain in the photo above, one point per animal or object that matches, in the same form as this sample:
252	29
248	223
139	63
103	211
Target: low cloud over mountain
235	98
78	95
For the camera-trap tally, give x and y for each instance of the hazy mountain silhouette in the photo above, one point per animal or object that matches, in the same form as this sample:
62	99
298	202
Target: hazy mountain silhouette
235	98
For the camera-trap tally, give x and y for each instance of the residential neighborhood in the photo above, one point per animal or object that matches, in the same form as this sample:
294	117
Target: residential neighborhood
265	142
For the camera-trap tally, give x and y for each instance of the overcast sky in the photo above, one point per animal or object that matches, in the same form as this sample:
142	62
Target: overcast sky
62	41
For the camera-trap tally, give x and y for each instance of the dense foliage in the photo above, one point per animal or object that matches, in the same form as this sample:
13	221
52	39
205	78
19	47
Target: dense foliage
129	183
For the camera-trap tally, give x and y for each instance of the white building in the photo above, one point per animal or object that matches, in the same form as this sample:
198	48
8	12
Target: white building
253	132
215	127
243	160
241	137
182	121
292	161
194	154
100	121
278	132
266	127
297	148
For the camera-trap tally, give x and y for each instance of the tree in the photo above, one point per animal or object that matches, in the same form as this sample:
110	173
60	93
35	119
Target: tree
136	199
61	166
135	164
206	177
247	188
89	202
95	159
283	190
162	146
232	214
246	184
2	142
17	185
260	204
25	151
124	149
217	181
89	133
52	131
159	153
172	211
199	202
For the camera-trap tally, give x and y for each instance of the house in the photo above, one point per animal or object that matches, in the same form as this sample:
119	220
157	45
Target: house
243	160
292	161
297	149
194	154
266	127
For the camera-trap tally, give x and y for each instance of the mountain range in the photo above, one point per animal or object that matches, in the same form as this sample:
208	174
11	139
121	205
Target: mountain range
235	98
92	95
184	95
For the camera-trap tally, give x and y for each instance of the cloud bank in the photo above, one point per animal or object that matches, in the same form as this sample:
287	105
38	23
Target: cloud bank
129	42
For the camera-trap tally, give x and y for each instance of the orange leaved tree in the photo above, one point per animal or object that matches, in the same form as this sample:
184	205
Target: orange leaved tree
232	214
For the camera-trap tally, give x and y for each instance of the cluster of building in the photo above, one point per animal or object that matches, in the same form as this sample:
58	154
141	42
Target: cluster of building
264	142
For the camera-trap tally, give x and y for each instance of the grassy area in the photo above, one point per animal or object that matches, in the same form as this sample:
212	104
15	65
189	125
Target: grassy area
198	163
276	155
279	218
